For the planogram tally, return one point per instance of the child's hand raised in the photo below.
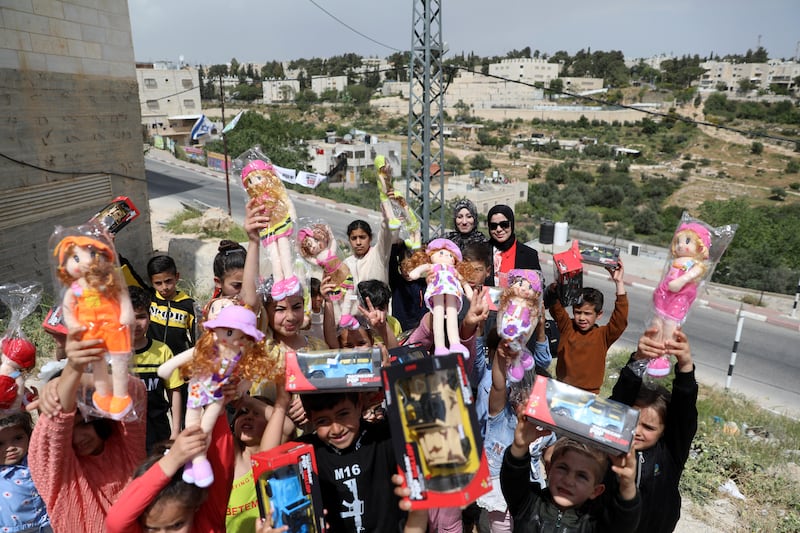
(525, 433)
(255, 219)
(624, 466)
(679, 347)
(82, 352)
(190, 443)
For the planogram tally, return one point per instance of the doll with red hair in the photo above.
(96, 299)
(441, 264)
(228, 352)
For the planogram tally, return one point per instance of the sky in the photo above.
(257, 31)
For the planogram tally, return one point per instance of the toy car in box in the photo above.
(287, 487)
(435, 432)
(599, 254)
(569, 275)
(332, 370)
(582, 415)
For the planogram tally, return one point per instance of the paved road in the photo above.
(768, 364)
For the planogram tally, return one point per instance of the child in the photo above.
(159, 500)
(315, 328)
(228, 269)
(162, 396)
(575, 478)
(172, 319)
(583, 345)
(81, 467)
(667, 425)
(375, 295)
(21, 507)
(356, 463)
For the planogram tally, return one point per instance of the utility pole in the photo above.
(425, 152)
(225, 144)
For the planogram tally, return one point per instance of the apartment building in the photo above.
(280, 91)
(720, 73)
(529, 70)
(320, 84)
(169, 99)
(361, 150)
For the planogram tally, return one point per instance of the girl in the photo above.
(439, 263)
(369, 262)
(228, 269)
(21, 507)
(667, 425)
(465, 220)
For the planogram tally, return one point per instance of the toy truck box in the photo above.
(435, 432)
(287, 487)
(333, 370)
(599, 254)
(569, 274)
(582, 415)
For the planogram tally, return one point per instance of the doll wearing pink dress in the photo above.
(518, 315)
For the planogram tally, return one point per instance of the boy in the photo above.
(149, 354)
(583, 345)
(575, 478)
(172, 312)
(379, 295)
(356, 463)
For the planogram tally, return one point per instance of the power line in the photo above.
(346, 25)
(68, 172)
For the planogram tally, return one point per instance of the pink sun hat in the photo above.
(236, 317)
(532, 276)
(700, 230)
(447, 244)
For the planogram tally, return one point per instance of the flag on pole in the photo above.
(202, 127)
(232, 123)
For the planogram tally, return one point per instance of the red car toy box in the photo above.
(569, 274)
(333, 370)
(435, 432)
(582, 415)
(287, 487)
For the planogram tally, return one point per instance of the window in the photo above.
(187, 83)
(360, 154)
(152, 104)
(521, 194)
(189, 104)
(150, 83)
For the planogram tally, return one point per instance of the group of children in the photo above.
(96, 475)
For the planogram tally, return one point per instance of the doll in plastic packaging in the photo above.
(317, 245)
(695, 250)
(395, 208)
(229, 351)
(262, 182)
(96, 298)
(518, 314)
(17, 354)
(441, 263)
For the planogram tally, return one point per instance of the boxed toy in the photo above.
(287, 487)
(582, 415)
(435, 432)
(599, 254)
(569, 274)
(332, 370)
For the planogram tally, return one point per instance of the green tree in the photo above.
(535, 172)
(556, 87)
(454, 164)
(745, 85)
(756, 148)
(479, 162)
(234, 70)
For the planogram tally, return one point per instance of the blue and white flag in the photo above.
(232, 123)
(203, 126)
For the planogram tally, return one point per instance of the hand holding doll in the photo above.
(395, 208)
(96, 298)
(518, 314)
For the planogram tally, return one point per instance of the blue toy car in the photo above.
(287, 502)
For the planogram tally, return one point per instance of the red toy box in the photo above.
(570, 411)
(435, 432)
(333, 370)
(569, 274)
(287, 487)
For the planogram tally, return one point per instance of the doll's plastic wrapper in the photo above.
(94, 296)
(435, 432)
(695, 251)
(519, 312)
(287, 487)
(18, 352)
(262, 182)
(584, 416)
(399, 215)
(318, 247)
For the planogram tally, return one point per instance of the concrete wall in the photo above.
(70, 110)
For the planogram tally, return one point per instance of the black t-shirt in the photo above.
(356, 482)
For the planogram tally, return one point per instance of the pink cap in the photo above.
(699, 230)
(531, 276)
(254, 165)
(447, 244)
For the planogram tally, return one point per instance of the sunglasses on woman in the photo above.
(505, 224)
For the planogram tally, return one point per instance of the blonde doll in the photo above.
(261, 181)
(229, 351)
(678, 289)
(317, 245)
(96, 298)
(393, 205)
(440, 263)
(518, 313)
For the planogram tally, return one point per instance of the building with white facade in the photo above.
(720, 73)
(529, 70)
(280, 91)
(320, 84)
(360, 151)
(169, 98)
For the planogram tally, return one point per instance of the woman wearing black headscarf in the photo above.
(465, 219)
(507, 252)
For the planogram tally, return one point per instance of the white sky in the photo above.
(256, 31)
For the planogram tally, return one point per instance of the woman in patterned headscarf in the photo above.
(465, 217)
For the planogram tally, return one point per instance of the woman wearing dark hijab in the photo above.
(465, 218)
(507, 252)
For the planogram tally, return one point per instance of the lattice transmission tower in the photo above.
(425, 153)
